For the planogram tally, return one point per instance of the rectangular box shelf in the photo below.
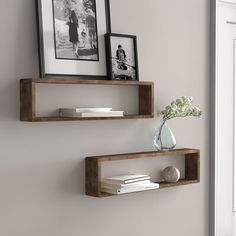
(93, 168)
(28, 99)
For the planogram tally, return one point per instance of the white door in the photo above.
(225, 184)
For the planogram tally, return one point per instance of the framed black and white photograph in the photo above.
(71, 37)
(122, 57)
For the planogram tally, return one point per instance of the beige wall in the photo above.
(42, 164)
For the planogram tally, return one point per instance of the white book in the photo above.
(85, 109)
(93, 114)
(141, 187)
(125, 179)
(119, 186)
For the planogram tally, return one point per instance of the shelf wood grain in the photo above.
(163, 185)
(28, 99)
(58, 118)
(93, 168)
(83, 81)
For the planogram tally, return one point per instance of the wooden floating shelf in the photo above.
(93, 168)
(58, 118)
(28, 99)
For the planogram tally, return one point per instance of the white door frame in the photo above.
(215, 139)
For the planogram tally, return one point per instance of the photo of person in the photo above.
(122, 56)
(75, 30)
(91, 28)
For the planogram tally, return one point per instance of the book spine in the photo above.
(94, 110)
(109, 185)
(137, 180)
(111, 181)
(137, 189)
(131, 190)
(63, 114)
(92, 114)
(102, 114)
(75, 110)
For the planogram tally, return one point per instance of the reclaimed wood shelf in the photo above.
(93, 168)
(28, 99)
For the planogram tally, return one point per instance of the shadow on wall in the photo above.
(55, 179)
(73, 177)
(19, 54)
(10, 101)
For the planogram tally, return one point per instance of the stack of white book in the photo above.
(127, 184)
(89, 112)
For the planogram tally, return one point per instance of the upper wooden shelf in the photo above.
(93, 168)
(83, 81)
(28, 98)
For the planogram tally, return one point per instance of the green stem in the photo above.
(159, 134)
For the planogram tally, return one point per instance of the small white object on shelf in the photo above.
(136, 188)
(127, 184)
(118, 186)
(92, 114)
(125, 179)
(84, 109)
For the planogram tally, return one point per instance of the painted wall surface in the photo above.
(42, 164)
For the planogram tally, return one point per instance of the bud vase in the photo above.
(164, 139)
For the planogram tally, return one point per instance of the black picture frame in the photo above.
(111, 57)
(41, 53)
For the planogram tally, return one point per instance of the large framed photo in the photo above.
(71, 37)
(122, 57)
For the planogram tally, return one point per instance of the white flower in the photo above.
(181, 107)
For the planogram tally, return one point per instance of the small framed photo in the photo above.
(71, 41)
(122, 57)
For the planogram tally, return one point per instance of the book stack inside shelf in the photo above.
(89, 112)
(127, 184)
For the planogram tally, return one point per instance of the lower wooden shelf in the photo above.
(93, 168)
(179, 183)
(162, 185)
